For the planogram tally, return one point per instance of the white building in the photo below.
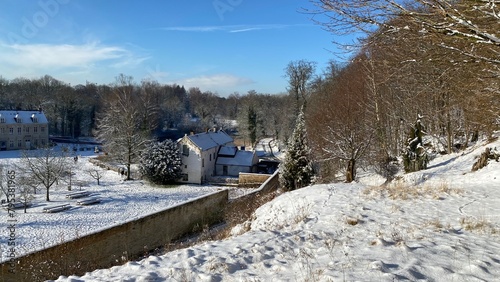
(213, 153)
(199, 154)
(23, 130)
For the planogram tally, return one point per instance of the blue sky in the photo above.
(223, 46)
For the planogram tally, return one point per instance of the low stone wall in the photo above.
(269, 186)
(252, 179)
(116, 245)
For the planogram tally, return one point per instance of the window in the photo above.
(19, 143)
(202, 162)
(185, 177)
(35, 129)
(11, 144)
(19, 130)
(185, 166)
(34, 118)
(42, 128)
(3, 130)
(185, 150)
(27, 130)
(11, 130)
(210, 157)
(2, 119)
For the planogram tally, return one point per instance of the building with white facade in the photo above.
(23, 130)
(212, 153)
(199, 154)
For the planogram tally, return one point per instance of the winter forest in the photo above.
(434, 63)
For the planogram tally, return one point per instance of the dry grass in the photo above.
(403, 191)
(480, 225)
(437, 225)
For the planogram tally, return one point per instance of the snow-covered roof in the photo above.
(22, 117)
(228, 151)
(210, 139)
(242, 158)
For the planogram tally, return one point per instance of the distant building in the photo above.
(23, 130)
(212, 153)
(231, 161)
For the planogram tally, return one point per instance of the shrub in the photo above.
(161, 163)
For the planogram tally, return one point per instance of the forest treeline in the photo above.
(74, 111)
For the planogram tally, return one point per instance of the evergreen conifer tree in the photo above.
(161, 163)
(296, 170)
(415, 156)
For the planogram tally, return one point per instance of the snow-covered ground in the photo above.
(441, 224)
(121, 201)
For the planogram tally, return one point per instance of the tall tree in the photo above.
(296, 170)
(341, 130)
(299, 74)
(126, 122)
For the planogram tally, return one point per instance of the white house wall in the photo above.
(199, 166)
(190, 164)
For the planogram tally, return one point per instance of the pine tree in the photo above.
(415, 157)
(161, 163)
(296, 170)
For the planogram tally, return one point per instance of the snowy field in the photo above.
(440, 224)
(121, 201)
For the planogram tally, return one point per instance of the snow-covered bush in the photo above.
(161, 163)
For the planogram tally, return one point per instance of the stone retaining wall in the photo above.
(252, 179)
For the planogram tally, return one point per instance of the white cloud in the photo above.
(69, 61)
(230, 28)
(50, 56)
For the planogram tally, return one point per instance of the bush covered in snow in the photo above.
(161, 163)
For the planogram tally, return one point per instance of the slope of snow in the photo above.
(441, 224)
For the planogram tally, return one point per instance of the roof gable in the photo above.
(228, 151)
(210, 139)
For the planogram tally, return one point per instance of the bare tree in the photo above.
(126, 122)
(45, 166)
(96, 173)
(25, 195)
(341, 131)
(299, 74)
(475, 22)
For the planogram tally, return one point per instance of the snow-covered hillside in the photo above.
(441, 224)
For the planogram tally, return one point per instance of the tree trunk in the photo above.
(351, 171)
